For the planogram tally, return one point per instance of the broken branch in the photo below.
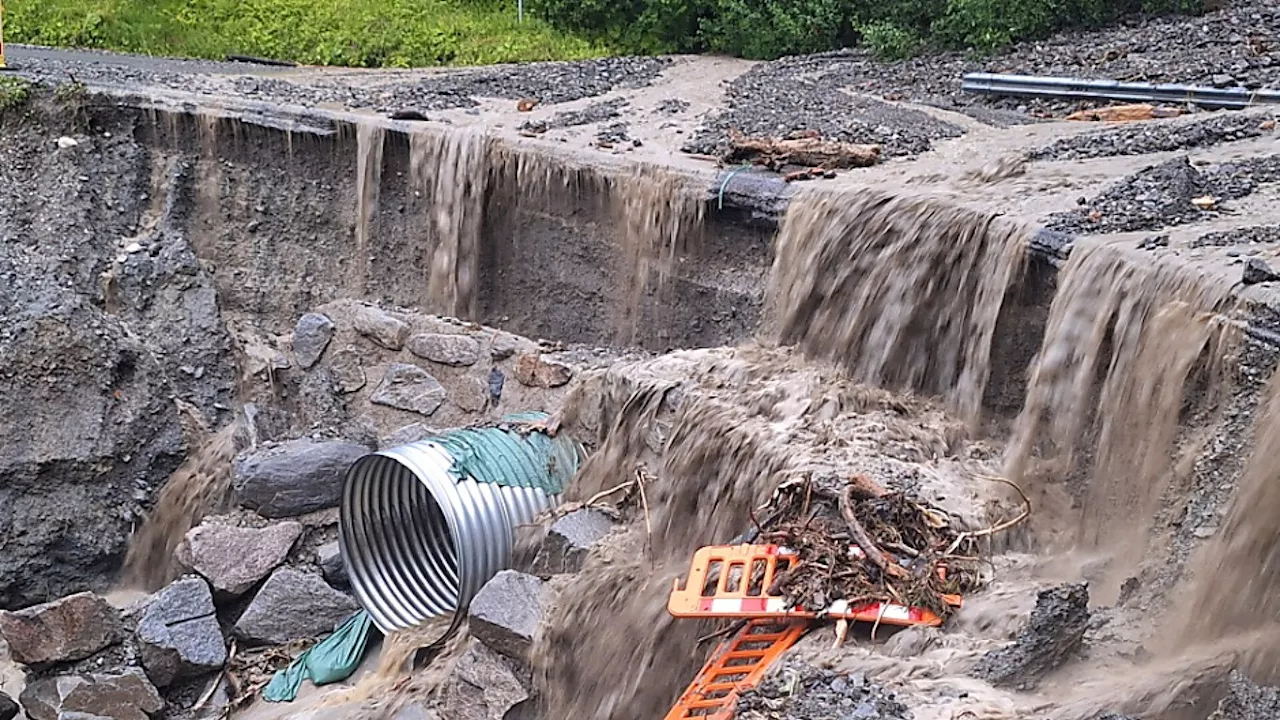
(863, 540)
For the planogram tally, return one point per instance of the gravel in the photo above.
(796, 692)
(593, 113)
(1253, 235)
(550, 83)
(810, 93)
(1160, 196)
(1151, 137)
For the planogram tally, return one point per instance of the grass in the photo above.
(358, 33)
(14, 91)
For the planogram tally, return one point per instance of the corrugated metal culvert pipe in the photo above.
(425, 525)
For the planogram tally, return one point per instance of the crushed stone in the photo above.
(793, 691)
(1054, 633)
(1147, 137)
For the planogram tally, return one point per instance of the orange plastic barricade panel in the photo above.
(738, 664)
(732, 581)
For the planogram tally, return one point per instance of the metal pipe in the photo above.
(423, 526)
(1236, 98)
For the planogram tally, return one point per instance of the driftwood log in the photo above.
(805, 151)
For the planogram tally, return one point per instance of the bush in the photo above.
(766, 29)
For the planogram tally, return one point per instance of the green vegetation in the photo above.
(14, 91)
(361, 33)
(402, 33)
(766, 29)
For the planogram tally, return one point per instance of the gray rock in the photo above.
(348, 371)
(471, 394)
(1247, 701)
(234, 559)
(310, 337)
(335, 571)
(483, 686)
(409, 387)
(410, 433)
(72, 628)
(504, 346)
(457, 350)
(535, 370)
(505, 614)
(178, 634)
(8, 707)
(1054, 633)
(293, 605)
(1256, 271)
(381, 328)
(125, 696)
(568, 541)
(294, 478)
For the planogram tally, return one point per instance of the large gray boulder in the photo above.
(178, 634)
(569, 539)
(378, 326)
(293, 605)
(505, 614)
(310, 337)
(483, 686)
(456, 350)
(234, 559)
(72, 628)
(296, 477)
(409, 387)
(8, 707)
(125, 696)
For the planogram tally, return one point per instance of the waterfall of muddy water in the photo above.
(718, 430)
(904, 292)
(369, 145)
(200, 485)
(1123, 336)
(450, 171)
(662, 221)
(1236, 591)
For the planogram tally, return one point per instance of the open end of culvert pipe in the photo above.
(423, 526)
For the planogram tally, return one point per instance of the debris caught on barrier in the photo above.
(809, 152)
(1125, 113)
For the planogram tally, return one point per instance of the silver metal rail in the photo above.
(1236, 98)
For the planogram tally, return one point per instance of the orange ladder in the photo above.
(738, 664)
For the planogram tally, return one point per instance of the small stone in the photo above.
(1257, 271)
(234, 559)
(65, 142)
(1223, 80)
(505, 614)
(125, 696)
(496, 382)
(331, 564)
(456, 350)
(8, 707)
(409, 387)
(310, 337)
(348, 370)
(294, 478)
(471, 394)
(381, 328)
(482, 686)
(1205, 531)
(72, 628)
(533, 370)
(179, 636)
(293, 605)
(415, 711)
(569, 539)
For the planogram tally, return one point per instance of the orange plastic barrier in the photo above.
(737, 665)
(732, 581)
